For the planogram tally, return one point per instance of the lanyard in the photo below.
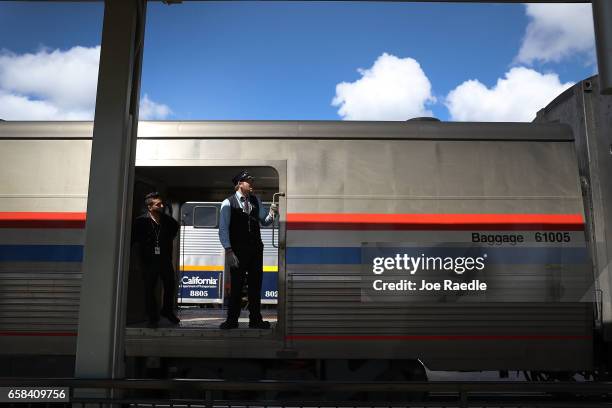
(156, 232)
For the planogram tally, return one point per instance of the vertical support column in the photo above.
(100, 342)
(602, 18)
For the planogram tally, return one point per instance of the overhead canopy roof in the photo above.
(407, 1)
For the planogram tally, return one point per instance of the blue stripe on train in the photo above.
(324, 255)
(41, 253)
(331, 255)
(518, 255)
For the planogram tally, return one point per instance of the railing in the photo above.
(268, 393)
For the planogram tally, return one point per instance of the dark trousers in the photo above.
(152, 273)
(250, 262)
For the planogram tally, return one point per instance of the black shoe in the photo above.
(228, 325)
(261, 324)
(152, 324)
(171, 317)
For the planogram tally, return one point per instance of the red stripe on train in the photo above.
(445, 222)
(42, 219)
(338, 221)
(437, 337)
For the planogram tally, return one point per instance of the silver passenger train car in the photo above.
(374, 216)
(203, 278)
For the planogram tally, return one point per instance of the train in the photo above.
(401, 247)
(203, 278)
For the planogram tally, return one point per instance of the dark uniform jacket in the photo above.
(244, 228)
(145, 234)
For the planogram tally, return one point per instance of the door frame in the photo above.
(280, 166)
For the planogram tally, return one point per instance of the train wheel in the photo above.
(298, 370)
(401, 371)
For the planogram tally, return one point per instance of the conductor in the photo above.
(239, 233)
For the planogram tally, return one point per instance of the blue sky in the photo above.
(303, 61)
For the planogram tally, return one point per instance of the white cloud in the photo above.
(152, 110)
(392, 89)
(17, 107)
(49, 85)
(557, 31)
(55, 85)
(515, 98)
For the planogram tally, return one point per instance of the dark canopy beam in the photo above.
(100, 338)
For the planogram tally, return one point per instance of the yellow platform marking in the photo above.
(201, 268)
(219, 268)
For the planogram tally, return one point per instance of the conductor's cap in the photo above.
(243, 175)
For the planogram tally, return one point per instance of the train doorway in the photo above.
(193, 196)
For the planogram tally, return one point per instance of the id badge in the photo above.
(157, 251)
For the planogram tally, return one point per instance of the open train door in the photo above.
(202, 276)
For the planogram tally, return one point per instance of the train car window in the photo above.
(205, 217)
(267, 207)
